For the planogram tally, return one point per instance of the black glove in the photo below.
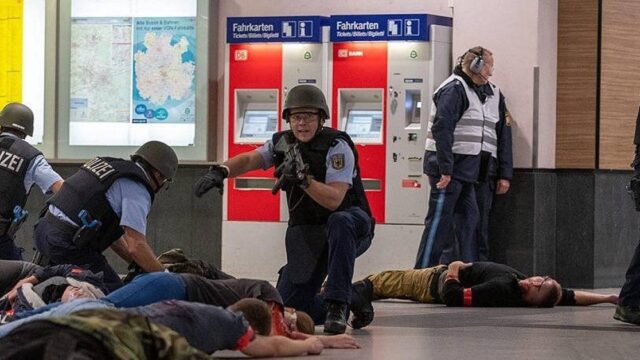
(634, 190)
(214, 178)
(291, 176)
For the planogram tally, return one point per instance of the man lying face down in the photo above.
(479, 284)
(164, 330)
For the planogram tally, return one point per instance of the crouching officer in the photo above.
(105, 204)
(21, 166)
(330, 222)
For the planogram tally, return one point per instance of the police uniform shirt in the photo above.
(39, 172)
(344, 174)
(129, 199)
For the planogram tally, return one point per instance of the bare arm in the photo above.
(55, 187)
(133, 246)
(329, 195)
(585, 298)
(243, 163)
(342, 341)
(279, 346)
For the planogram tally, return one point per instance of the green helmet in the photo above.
(160, 156)
(17, 116)
(305, 96)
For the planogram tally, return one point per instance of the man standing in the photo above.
(105, 204)
(330, 222)
(628, 309)
(21, 166)
(462, 142)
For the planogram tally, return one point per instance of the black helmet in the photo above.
(17, 116)
(305, 96)
(160, 156)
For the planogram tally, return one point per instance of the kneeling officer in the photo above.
(105, 204)
(330, 222)
(21, 166)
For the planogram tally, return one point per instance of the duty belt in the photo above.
(59, 224)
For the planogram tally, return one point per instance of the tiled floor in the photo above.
(404, 330)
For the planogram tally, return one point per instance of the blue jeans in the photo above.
(149, 288)
(348, 236)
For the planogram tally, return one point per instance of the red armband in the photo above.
(466, 297)
(245, 339)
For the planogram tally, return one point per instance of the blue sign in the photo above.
(384, 27)
(275, 29)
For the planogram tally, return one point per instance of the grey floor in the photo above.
(404, 330)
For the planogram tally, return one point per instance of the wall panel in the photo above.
(620, 79)
(576, 91)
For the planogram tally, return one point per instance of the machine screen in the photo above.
(364, 124)
(259, 124)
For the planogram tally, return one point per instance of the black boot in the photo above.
(361, 297)
(336, 322)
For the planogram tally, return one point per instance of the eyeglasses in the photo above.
(303, 117)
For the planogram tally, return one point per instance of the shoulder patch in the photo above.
(337, 161)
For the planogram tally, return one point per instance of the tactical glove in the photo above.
(214, 178)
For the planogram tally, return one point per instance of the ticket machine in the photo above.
(384, 71)
(267, 56)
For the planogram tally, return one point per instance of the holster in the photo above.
(10, 227)
(85, 237)
(634, 190)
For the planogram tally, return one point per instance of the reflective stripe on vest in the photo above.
(476, 129)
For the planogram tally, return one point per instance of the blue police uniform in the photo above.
(630, 292)
(38, 172)
(462, 143)
(126, 201)
(319, 242)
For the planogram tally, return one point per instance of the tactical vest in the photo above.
(15, 157)
(87, 188)
(129, 336)
(302, 208)
(476, 129)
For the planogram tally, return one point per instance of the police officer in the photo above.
(462, 143)
(330, 222)
(628, 309)
(105, 204)
(21, 166)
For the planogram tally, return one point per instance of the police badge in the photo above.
(337, 161)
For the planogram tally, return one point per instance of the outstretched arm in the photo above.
(342, 341)
(280, 346)
(585, 298)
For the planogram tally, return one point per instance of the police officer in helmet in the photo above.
(105, 204)
(21, 166)
(330, 222)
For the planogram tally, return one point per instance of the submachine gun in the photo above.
(292, 170)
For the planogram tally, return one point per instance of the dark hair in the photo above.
(257, 314)
(305, 323)
(551, 297)
(53, 293)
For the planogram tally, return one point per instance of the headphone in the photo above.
(477, 63)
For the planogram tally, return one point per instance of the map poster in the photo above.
(164, 59)
(100, 80)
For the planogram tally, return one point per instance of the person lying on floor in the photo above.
(479, 284)
(164, 330)
(206, 327)
(43, 285)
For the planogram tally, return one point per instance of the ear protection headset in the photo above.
(477, 63)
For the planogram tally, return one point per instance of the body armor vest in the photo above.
(15, 157)
(87, 188)
(302, 208)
